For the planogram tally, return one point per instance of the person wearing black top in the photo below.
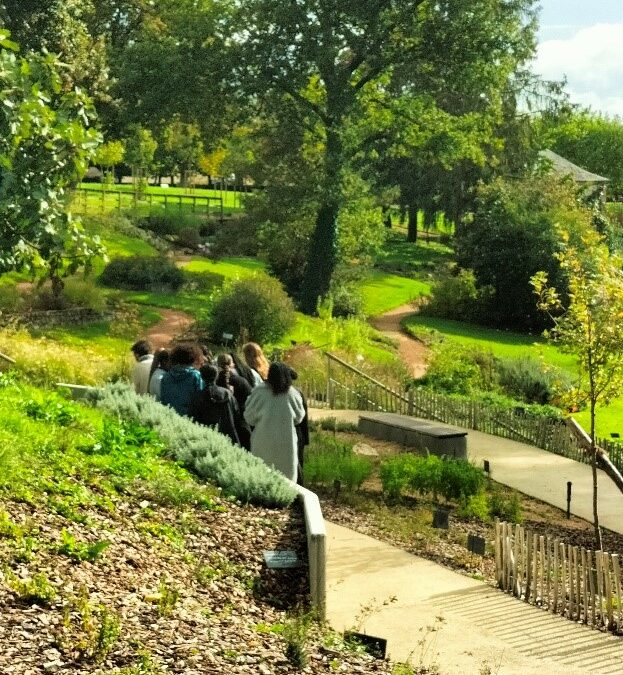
(241, 389)
(302, 432)
(215, 406)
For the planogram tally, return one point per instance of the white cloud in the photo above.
(592, 60)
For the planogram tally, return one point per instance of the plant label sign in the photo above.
(440, 519)
(281, 560)
(375, 646)
(475, 544)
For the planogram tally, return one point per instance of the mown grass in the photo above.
(504, 344)
(383, 291)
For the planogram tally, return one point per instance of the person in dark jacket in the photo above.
(241, 389)
(182, 381)
(302, 433)
(215, 406)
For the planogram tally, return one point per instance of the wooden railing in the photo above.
(346, 387)
(86, 198)
(581, 584)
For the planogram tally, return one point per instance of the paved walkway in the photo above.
(534, 472)
(436, 617)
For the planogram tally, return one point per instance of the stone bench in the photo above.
(439, 439)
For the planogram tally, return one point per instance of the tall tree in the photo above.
(62, 28)
(592, 141)
(175, 66)
(589, 324)
(324, 57)
(45, 147)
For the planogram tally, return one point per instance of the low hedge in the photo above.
(141, 273)
(201, 449)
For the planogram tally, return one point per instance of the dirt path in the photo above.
(172, 324)
(412, 351)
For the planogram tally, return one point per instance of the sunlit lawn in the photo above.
(383, 291)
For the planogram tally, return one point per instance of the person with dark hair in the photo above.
(183, 380)
(228, 377)
(215, 406)
(273, 409)
(302, 433)
(160, 365)
(142, 351)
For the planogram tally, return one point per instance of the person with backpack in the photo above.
(215, 406)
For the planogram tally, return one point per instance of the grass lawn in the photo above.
(403, 257)
(91, 199)
(505, 344)
(383, 291)
(193, 301)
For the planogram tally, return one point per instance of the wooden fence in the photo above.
(103, 200)
(346, 387)
(572, 581)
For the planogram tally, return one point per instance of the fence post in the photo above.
(410, 402)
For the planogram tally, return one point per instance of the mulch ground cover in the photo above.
(177, 590)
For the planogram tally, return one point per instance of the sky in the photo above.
(583, 40)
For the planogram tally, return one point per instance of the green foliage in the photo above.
(35, 590)
(91, 630)
(142, 273)
(477, 507)
(51, 409)
(168, 597)
(45, 147)
(514, 235)
(254, 308)
(529, 380)
(295, 634)
(201, 449)
(504, 506)
(457, 296)
(328, 460)
(81, 551)
(455, 480)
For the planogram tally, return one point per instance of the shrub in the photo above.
(139, 273)
(396, 473)
(164, 223)
(455, 480)
(504, 506)
(512, 236)
(455, 369)
(189, 237)
(201, 449)
(526, 379)
(476, 506)
(84, 293)
(237, 237)
(255, 308)
(455, 296)
(328, 460)
(346, 300)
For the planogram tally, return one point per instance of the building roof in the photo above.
(564, 167)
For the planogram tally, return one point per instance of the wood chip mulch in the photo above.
(188, 588)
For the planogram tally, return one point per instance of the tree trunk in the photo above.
(598, 542)
(412, 213)
(322, 255)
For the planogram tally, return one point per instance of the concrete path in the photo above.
(433, 616)
(534, 472)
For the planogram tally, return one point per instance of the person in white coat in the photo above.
(273, 409)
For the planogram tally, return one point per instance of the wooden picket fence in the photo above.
(344, 386)
(572, 581)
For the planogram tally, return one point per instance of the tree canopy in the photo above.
(45, 146)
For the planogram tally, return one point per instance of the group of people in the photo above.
(248, 399)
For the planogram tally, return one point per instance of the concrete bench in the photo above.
(439, 439)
